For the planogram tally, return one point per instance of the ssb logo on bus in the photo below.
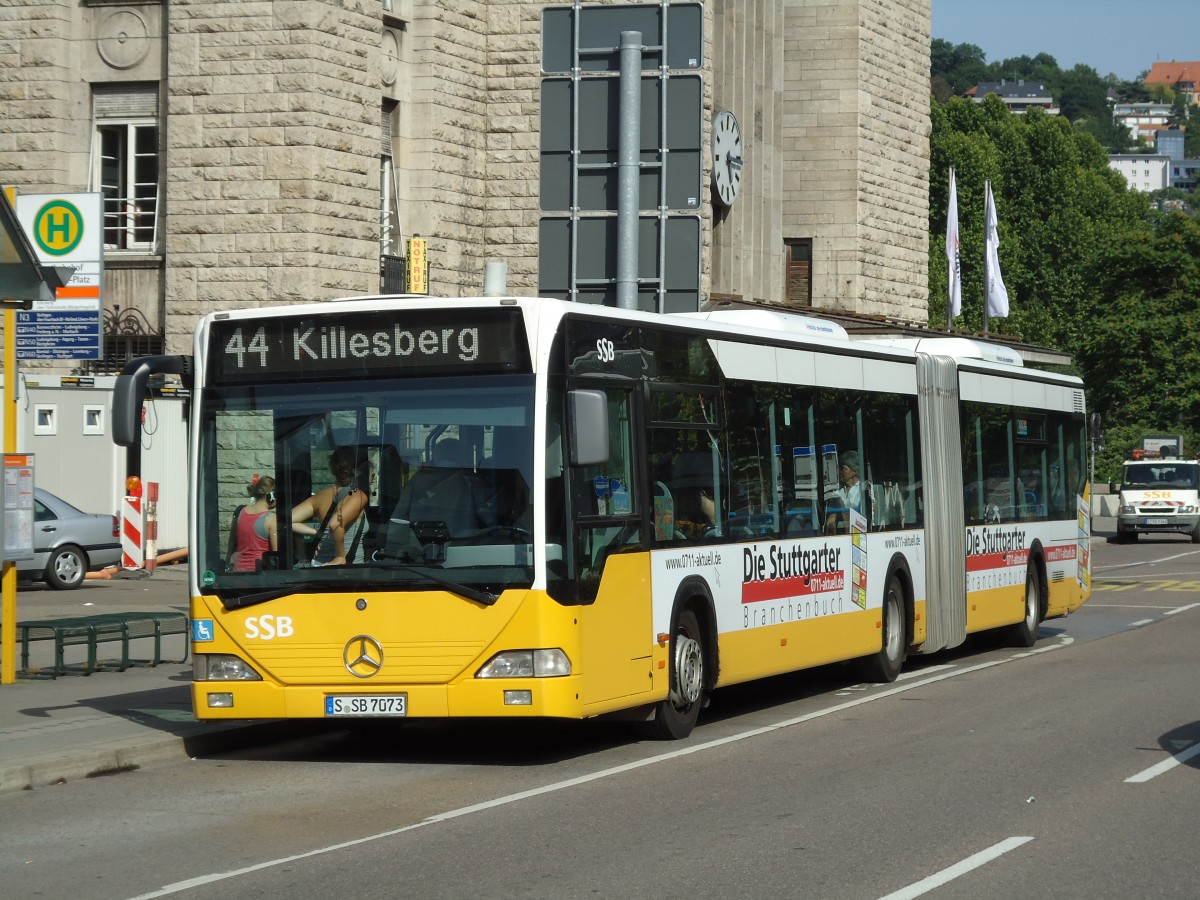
(268, 627)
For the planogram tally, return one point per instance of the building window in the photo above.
(391, 259)
(45, 419)
(798, 278)
(93, 419)
(126, 169)
(389, 206)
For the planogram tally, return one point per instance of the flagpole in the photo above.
(949, 261)
(953, 266)
(986, 273)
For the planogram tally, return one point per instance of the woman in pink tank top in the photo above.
(255, 528)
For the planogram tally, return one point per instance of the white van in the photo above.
(1159, 495)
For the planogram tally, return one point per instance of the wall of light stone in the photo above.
(271, 142)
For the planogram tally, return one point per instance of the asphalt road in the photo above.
(1065, 771)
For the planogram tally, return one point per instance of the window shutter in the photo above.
(125, 101)
(387, 116)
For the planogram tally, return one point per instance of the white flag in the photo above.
(997, 293)
(954, 267)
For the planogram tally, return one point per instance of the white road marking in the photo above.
(1180, 609)
(920, 673)
(1139, 623)
(202, 880)
(1092, 605)
(958, 869)
(1145, 562)
(1165, 766)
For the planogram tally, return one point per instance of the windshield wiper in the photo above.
(296, 587)
(487, 598)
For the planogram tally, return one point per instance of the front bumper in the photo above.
(1155, 523)
(476, 697)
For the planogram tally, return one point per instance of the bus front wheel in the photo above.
(675, 717)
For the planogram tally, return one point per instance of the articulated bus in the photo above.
(575, 511)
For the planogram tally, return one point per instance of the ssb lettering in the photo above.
(268, 626)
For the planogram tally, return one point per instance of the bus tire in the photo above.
(884, 667)
(1196, 533)
(675, 717)
(1025, 632)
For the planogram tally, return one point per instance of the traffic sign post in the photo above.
(22, 281)
(66, 230)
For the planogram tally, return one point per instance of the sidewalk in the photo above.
(76, 726)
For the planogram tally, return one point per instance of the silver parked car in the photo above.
(68, 543)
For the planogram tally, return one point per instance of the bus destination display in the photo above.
(374, 343)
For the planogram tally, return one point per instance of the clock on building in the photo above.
(726, 157)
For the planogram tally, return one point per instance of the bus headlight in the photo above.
(1125, 509)
(526, 664)
(222, 667)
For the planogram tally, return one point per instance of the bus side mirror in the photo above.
(130, 391)
(588, 411)
(127, 405)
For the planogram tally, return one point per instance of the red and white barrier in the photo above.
(151, 525)
(132, 528)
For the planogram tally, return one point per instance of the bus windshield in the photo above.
(444, 465)
(1161, 475)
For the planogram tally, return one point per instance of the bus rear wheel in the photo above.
(675, 717)
(885, 666)
(1025, 632)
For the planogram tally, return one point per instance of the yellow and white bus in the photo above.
(574, 510)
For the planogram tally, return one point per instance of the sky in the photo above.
(1108, 35)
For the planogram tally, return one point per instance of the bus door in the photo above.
(607, 512)
(603, 497)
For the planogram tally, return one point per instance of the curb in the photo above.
(98, 761)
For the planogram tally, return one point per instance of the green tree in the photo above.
(1055, 198)
(1179, 112)
(1191, 133)
(1082, 94)
(1092, 267)
(962, 66)
(1160, 93)
(1112, 136)
(1141, 357)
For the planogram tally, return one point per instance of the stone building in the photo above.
(259, 152)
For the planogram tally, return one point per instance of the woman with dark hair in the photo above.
(341, 510)
(254, 526)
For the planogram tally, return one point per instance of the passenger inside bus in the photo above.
(691, 489)
(341, 510)
(253, 532)
(849, 494)
(1005, 497)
